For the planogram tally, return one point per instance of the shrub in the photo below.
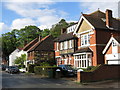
(90, 68)
(30, 68)
(45, 64)
(45, 70)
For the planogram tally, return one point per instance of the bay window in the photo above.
(82, 60)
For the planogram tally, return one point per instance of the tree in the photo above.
(27, 34)
(8, 43)
(20, 60)
(56, 29)
(45, 32)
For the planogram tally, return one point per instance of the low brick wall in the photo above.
(103, 72)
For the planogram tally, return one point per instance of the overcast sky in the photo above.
(17, 14)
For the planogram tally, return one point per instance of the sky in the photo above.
(16, 14)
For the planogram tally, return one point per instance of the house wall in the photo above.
(101, 43)
(57, 53)
(84, 26)
(92, 46)
(98, 41)
(109, 51)
(118, 49)
(102, 38)
(111, 54)
(31, 55)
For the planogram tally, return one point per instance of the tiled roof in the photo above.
(46, 44)
(117, 38)
(29, 45)
(85, 49)
(65, 36)
(96, 19)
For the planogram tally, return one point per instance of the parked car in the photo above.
(12, 69)
(3, 67)
(68, 70)
(22, 70)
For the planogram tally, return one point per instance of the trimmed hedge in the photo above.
(30, 68)
(91, 68)
(45, 70)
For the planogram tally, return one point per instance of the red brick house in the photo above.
(90, 37)
(112, 51)
(65, 46)
(42, 51)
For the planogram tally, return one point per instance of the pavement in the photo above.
(23, 80)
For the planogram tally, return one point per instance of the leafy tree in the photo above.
(27, 34)
(20, 60)
(45, 32)
(8, 43)
(56, 29)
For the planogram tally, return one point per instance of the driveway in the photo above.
(33, 81)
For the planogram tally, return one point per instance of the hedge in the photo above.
(45, 70)
(30, 68)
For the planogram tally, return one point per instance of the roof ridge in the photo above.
(30, 43)
(95, 12)
(35, 45)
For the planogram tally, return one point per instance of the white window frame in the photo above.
(70, 44)
(82, 62)
(61, 45)
(85, 40)
(65, 45)
(57, 46)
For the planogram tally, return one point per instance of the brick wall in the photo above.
(104, 72)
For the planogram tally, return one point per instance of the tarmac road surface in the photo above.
(33, 81)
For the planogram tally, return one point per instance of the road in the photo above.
(33, 81)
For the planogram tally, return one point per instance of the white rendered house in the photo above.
(16, 53)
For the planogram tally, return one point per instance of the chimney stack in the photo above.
(63, 30)
(40, 37)
(108, 18)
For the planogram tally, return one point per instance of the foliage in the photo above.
(27, 34)
(30, 68)
(45, 64)
(20, 60)
(56, 29)
(45, 70)
(45, 32)
(18, 38)
(91, 68)
(9, 43)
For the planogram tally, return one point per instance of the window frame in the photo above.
(85, 40)
(82, 60)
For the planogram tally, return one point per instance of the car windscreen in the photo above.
(68, 67)
(13, 67)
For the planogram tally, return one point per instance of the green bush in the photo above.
(45, 64)
(30, 68)
(45, 70)
(90, 68)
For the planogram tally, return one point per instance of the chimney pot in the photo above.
(40, 37)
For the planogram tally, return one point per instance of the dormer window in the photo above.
(85, 40)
